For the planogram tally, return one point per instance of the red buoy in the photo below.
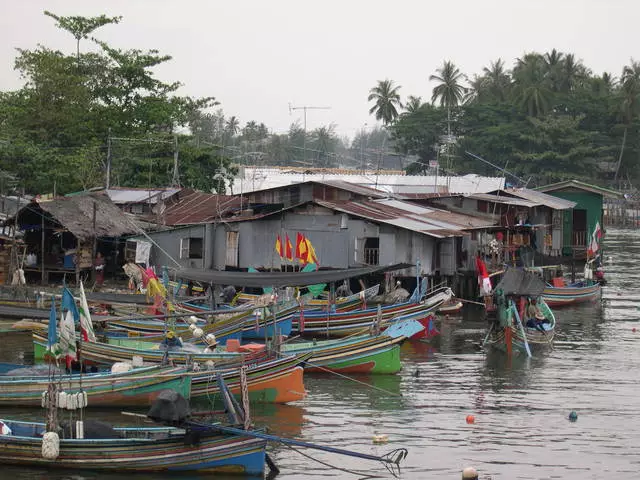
(471, 419)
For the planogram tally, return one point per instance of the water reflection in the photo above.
(520, 405)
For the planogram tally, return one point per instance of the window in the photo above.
(137, 209)
(191, 247)
(367, 250)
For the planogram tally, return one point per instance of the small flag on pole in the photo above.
(288, 250)
(279, 247)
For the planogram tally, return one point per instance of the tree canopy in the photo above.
(547, 118)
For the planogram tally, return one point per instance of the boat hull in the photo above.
(570, 295)
(214, 453)
(103, 390)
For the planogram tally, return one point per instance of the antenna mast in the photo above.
(305, 108)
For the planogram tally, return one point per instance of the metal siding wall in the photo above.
(333, 245)
(169, 241)
(257, 243)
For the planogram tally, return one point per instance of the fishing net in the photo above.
(521, 283)
(92, 429)
(169, 408)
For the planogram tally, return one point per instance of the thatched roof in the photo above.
(75, 213)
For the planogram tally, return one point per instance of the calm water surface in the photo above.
(521, 407)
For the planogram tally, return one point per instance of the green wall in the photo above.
(591, 202)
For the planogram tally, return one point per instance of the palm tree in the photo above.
(413, 104)
(630, 90)
(325, 141)
(387, 101)
(449, 91)
(573, 73)
(477, 90)
(532, 86)
(497, 80)
(232, 126)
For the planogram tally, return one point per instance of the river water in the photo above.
(521, 408)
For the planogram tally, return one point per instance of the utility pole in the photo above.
(108, 182)
(176, 175)
(305, 108)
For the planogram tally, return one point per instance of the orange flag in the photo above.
(301, 248)
(279, 247)
(288, 248)
(311, 253)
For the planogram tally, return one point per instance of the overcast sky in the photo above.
(256, 57)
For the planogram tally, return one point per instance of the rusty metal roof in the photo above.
(430, 221)
(197, 207)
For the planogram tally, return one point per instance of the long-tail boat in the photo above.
(559, 295)
(524, 322)
(138, 387)
(149, 449)
(340, 324)
(270, 380)
(376, 354)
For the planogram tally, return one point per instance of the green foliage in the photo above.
(547, 119)
(56, 126)
(386, 100)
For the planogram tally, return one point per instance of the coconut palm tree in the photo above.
(232, 126)
(449, 91)
(532, 86)
(477, 90)
(412, 104)
(387, 101)
(324, 141)
(497, 80)
(573, 73)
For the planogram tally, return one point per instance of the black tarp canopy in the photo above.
(281, 279)
(521, 283)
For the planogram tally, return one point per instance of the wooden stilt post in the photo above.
(42, 250)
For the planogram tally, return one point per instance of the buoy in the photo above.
(573, 416)
(471, 419)
(50, 445)
(469, 473)
(633, 329)
(380, 438)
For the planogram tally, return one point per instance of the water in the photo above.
(521, 408)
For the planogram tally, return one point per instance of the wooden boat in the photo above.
(559, 295)
(256, 323)
(450, 308)
(138, 387)
(277, 380)
(515, 329)
(136, 450)
(377, 354)
(340, 324)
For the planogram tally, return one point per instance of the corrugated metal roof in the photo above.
(139, 195)
(264, 178)
(581, 186)
(197, 207)
(542, 198)
(503, 199)
(352, 187)
(430, 221)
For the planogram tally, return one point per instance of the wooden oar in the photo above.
(394, 457)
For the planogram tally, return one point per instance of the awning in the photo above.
(281, 279)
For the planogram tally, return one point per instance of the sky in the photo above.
(259, 57)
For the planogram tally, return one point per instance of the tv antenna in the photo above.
(305, 108)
